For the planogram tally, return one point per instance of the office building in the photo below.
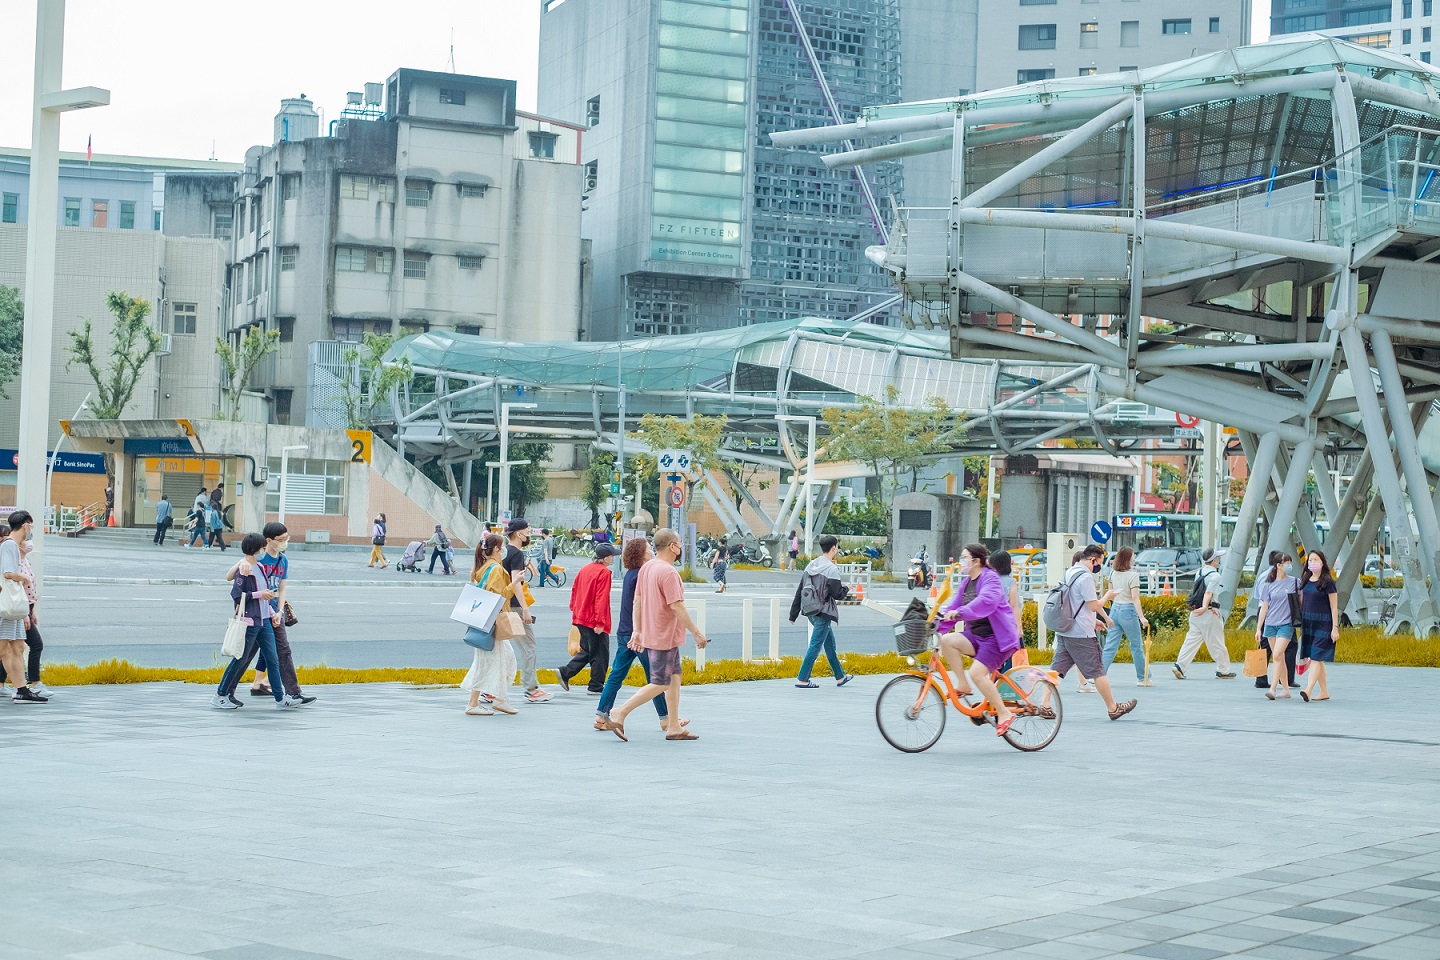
(697, 222)
(446, 208)
(1406, 26)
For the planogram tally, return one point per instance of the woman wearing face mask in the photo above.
(1319, 623)
(989, 634)
(1274, 626)
(12, 632)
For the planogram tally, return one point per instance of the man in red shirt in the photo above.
(660, 624)
(590, 612)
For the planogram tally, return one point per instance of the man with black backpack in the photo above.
(815, 598)
(1207, 624)
(1071, 611)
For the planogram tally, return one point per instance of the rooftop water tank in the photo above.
(297, 120)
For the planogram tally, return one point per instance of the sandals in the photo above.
(808, 685)
(616, 728)
(1004, 725)
(845, 679)
(682, 735)
(1123, 708)
(1304, 696)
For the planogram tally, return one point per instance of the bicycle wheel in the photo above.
(529, 576)
(563, 577)
(910, 714)
(1038, 717)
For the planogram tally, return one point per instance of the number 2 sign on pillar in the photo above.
(361, 442)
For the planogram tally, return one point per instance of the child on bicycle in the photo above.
(989, 636)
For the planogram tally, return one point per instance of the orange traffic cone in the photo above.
(934, 593)
(111, 521)
(1167, 590)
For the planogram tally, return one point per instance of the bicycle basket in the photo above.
(912, 637)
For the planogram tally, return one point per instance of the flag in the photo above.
(88, 151)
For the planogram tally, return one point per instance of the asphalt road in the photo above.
(357, 624)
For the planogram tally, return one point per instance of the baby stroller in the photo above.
(414, 556)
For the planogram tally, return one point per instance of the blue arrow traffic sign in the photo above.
(1101, 532)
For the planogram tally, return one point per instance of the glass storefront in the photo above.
(702, 86)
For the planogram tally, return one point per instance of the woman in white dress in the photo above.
(491, 671)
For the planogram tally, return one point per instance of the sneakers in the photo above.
(1085, 687)
(503, 706)
(594, 693)
(1226, 675)
(236, 700)
(538, 695)
(1123, 708)
(224, 703)
(564, 683)
(304, 699)
(288, 703)
(1143, 683)
(479, 710)
(40, 688)
(1179, 674)
(26, 695)
(486, 698)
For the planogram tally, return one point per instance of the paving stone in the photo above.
(1175, 951)
(1316, 914)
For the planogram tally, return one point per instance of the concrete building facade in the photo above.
(447, 209)
(1406, 26)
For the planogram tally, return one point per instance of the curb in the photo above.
(213, 581)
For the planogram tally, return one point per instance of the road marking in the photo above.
(188, 600)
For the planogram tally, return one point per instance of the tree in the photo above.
(527, 481)
(700, 435)
(744, 473)
(1171, 485)
(597, 484)
(240, 361)
(892, 439)
(12, 335)
(369, 377)
(135, 343)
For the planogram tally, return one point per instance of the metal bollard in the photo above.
(775, 629)
(699, 617)
(1041, 640)
(747, 630)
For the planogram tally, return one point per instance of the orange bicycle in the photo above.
(911, 709)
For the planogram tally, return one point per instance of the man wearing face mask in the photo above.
(1207, 624)
(273, 567)
(518, 532)
(1079, 645)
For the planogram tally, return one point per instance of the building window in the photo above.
(1425, 34)
(288, 255)
(387, 189)
(416, 265)
(408, 328)
(474, 190)
(1214, 24)
(384, 261)
(222, 222)
(1037, 36)
(1359, 18)
(417, 193)
(592, 176)
(592, 112)
(469, 262)
(1303, 24)
(1377, 40)
(1089, 35)
(287, 329)
(1175, 26)
(1129, 33)
(313, 487)
(1407, 8)
(127, 214)
(257, 275)
(99, 213)
(349, 259)
(1028, 76)
(353, 187)
(1425, 57)
(1405, 36)
(155, 219)
(182, 319)
(11, 208)
(1426, 6)
(542, 145)
(349, 331)
(467, 330)
(1087, 71)
(290, 186)
(455, 96)
(72, 211)
(1128, 69)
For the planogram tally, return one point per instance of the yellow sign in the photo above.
(360, 443)
(1230, 430)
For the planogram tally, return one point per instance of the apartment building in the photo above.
(1406, 26)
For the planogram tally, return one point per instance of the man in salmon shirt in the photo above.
(590, 612)
(660, 624)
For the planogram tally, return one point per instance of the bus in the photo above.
(1181, 531)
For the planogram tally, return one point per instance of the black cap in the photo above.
(516, 525)
(604, 551)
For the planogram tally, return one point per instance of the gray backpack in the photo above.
(1058, 611)
(812, 594)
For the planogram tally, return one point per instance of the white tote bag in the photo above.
(234, 643)
(14, 605)
(476, 607)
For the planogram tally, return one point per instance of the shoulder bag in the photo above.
(14, 604)
(233, 646)
(1294, 598)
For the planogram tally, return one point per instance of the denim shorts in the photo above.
(1287, 630)
(664, 664)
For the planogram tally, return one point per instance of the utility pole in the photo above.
(50, 102)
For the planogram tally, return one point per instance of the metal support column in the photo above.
(1260, 466)
(1407, 451)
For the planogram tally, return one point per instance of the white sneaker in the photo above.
(479, 710)
(223, 703)
(1085, 688)
(539, 695)
(288, 703)
(1143, 683)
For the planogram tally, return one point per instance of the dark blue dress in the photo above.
(1316, 625)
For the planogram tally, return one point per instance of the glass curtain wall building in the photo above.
(1405, 26)
(697, 223)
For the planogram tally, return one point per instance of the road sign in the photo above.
(1187, 433)
(675, 461)
(361, 442)
(1140, 521)
(676, 497)
(1185, 420)
(1101, 531)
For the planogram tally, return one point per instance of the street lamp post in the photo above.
(491, 514)
(285, 473)
(809, 478)
(50, 102)
(54, 522)
(505, 463)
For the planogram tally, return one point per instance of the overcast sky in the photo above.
(189, 76)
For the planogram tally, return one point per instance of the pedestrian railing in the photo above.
(856, 576)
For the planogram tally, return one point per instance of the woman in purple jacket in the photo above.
(989, 634)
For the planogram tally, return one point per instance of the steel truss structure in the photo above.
(1275, 205)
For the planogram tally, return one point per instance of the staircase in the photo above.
(127, 536)
(446, 510)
